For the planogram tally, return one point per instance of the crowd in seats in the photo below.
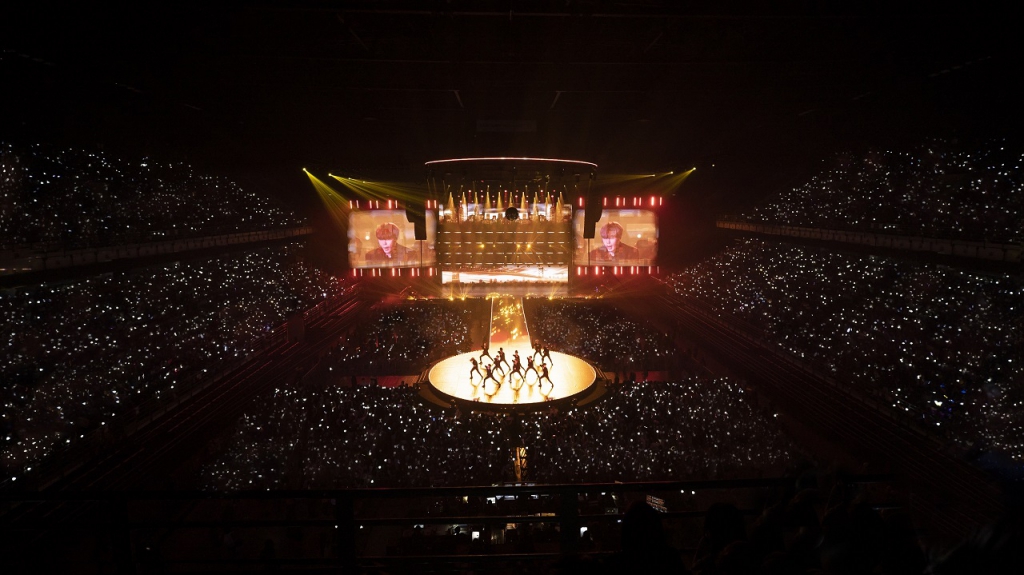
(55, 198)
(601, 333)
(402, 340)
(310, 436)
(941, 189)
(690, 429)
(87, 354)
(941, 346)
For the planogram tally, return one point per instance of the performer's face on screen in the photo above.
(611, 243)
(387, 245)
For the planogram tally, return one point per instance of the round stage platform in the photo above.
(570, 377)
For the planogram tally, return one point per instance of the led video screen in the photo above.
(385, 238)
(621, 238)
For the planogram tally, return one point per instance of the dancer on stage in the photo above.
(536, 350)
(475, 369)
(546, 354)
(490, 375)
(544, 375)
(529, 366)
(501, 358)
(517, 368)
(487, 352)
(497, 362)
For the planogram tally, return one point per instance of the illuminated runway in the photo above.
(569, 375)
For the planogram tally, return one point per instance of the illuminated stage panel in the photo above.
(571, 376)
(511, 274)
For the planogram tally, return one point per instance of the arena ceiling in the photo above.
(370, 87)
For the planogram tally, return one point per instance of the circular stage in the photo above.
(570, 377)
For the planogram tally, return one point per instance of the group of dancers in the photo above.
(516, 367)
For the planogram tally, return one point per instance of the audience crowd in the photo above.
(53, 198)
(80, 355)
(600, 332)
(940, 189)
(940, 345)
(313, 436)
(402, 340)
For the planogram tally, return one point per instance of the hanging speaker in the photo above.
(418, 219)
(592, 212)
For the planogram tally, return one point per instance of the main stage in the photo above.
(454, 379)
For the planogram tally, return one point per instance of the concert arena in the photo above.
(405, 287)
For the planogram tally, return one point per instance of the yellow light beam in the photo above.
(337, 206)
(383, 190)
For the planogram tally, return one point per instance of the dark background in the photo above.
(753, 96)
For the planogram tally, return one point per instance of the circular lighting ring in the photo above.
(502, 158)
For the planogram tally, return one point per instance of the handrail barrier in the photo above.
(984, 250)
(49, 257)
(357, 529)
